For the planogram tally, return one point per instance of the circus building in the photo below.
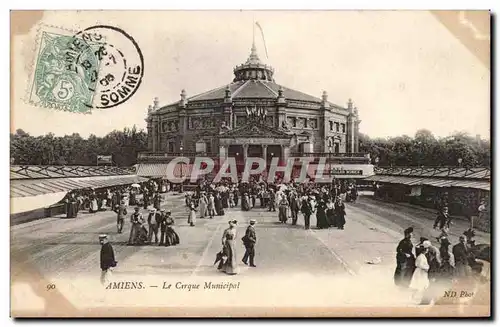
(254, 116)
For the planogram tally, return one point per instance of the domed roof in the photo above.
(253, 79)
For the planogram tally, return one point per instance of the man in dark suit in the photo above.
(443, 219)
(405, 260)
(107, 259)
(249, 241)
(307, 210)
(157, 201)
(294, 207)
(461, 254)
(162, 223)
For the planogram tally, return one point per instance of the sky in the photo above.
(403, 69)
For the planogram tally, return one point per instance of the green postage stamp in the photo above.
(66, 72)
(99, 67)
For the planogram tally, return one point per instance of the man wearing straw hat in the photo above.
(121, 210)
(107, 259)
(153, 222)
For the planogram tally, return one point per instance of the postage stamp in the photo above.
(65, 74)
(97, 68)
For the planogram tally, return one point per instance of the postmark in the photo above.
(99, 67)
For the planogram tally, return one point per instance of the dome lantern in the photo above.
(253, 69)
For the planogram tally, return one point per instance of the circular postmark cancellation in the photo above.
(97, 68)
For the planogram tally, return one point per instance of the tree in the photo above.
(424, 149)
(75, 150)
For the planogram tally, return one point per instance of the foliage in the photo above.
(75, 150)
(422, 150)
(425, 150)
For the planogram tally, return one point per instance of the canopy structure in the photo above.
(32, 172)
(159, 170)
(35, 187)
(476, 178)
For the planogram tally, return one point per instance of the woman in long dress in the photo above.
(245, 202)
(339, 213)
(203, 205)
(225, 199)
(447, 267)
(230, 266)
(192, 214)
(93, 204)
(321, 221)
(211, 206)
(283, 207)
(218, 204)
(330, 213)
(420, 279)
(171, 237)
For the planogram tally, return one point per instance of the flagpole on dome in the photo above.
(253, 32)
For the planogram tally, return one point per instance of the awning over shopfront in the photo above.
(473, 184)
(160, 170)
(28, 203)
(437, 182)
(152, 170)
(35, 187)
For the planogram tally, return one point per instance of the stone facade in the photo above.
(201, 123)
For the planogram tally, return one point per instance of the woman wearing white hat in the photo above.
(420, 279)
(230, 266)
(192, 214)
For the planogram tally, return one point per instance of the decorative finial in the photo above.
(324, 96)
(156, 103)
(228, 99)
(324, 100)
(349, 104)
(183, 98)
(150, 109)
(281, 97)
(254, 57)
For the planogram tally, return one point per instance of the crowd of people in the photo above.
(157, 228)
(428, 269)
(92, 200)
(287, 199)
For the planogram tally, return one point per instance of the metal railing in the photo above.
(331, 155)
(169, 155)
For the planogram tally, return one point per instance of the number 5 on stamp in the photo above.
(65, 73)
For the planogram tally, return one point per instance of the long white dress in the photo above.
(420, 278)
(203, 206)
(192, 215)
